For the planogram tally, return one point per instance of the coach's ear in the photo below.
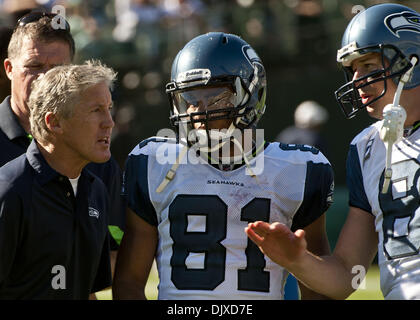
(8, 67)
(53, 123)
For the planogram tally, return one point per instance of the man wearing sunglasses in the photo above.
(380, 55)
(40, 42)
(35, 47)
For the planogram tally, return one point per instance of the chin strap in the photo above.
(393, 125)
(244, 156)
(171, 173)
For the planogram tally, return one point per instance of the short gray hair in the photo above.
(59, 90)
(41, 30)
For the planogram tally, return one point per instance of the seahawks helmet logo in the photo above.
(250, 55)
(403, 21)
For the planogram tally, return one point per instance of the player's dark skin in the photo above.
(140, 241)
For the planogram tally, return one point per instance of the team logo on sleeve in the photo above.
(403, 21)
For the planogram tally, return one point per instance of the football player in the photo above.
(190, 199)
(380, 50)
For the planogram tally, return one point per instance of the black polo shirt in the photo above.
(14, 141)
(45, 230)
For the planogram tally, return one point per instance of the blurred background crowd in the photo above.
(296, 39)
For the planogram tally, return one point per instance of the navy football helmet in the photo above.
(222, 72)
(392, 30)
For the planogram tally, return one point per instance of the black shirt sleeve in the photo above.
(103, 276)
(10, 222)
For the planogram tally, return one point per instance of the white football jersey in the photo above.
(397, 214)
(203, 251)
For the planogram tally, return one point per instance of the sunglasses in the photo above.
(56, 20)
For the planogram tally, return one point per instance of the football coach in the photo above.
(40, 42)
(54, 241)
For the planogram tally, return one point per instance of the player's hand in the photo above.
(278, 242)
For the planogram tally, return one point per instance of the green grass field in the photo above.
(370, 292)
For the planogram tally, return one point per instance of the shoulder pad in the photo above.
(147, 145)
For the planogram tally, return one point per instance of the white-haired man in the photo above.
(54, 213)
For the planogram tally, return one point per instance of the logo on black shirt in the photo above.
(93, 213)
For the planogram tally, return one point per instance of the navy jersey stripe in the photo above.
(145, 142)
(136, 188)
(354, 180)
(319, 188)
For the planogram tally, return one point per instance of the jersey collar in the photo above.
(45, 172)
(230, 167)
(39, 164)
